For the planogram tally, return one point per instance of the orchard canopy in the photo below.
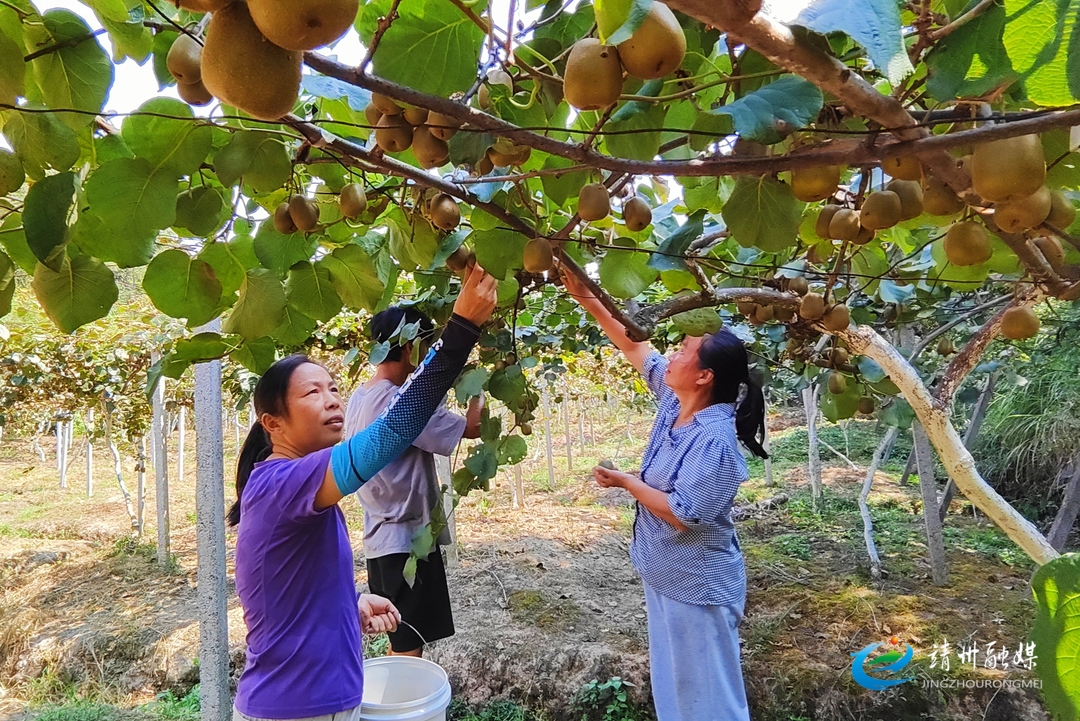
(826, 176)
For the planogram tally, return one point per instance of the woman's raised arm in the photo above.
(635, 351)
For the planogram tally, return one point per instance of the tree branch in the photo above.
(941, 330)
(961, 21)
(70, 42)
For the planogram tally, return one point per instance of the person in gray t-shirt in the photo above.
(403, 496)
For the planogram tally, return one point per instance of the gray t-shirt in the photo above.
(401, 497)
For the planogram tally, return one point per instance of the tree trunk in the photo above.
(60, 465)
(519, 487)
(935, 543)
(180, 432)
(140, 470)
(159, 435)
(810, 404)
(547, 437)
(210, 532)
(566, 429)
(118, 469)
(442, 470)
(909, 468)
(769, 479)
(1066, 515)
(978, 415)
(880, 456)
(90, 453)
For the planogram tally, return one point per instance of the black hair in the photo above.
(385, 324)
(725, 355)
(270, 396)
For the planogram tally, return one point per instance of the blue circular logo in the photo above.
(887, 664)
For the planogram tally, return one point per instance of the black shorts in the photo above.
(426, 605)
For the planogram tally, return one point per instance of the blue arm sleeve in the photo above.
(358, 459)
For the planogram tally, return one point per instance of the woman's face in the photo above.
(683, 371)
(316, 415)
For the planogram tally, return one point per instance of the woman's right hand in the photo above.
(478, 296)
(574, 286)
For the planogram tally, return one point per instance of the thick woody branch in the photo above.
(650, 315)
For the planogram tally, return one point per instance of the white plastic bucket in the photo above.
(403, 688)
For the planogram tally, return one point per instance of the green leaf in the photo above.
(470, 384)
(130, 37)
(295, 328)
(177, 142)
(163, 40)
(499, 251)
(432, 47)
(77, 75)
(561, 187)
(698, 322)
(1039, 38)
(469, 148)
(261, 306)
(82, 291)
(199, 348)
(626, 273)
(763, 213)
(256, 355)
(309, 289)
(131, 199)
(898, 413)
(768, 114)
(12, 70)
(670, 254)
(871, 264)
(483, 462)
(1056, 634)
(98, 238)
(279, 252)
(45, 214)
(182, 287)
(261, 160)
(412, 239)
(355, 277)
(618, 19)
(423, 541)
(228, 269)
(40, 140)
(507, 385)
(971, 61)
(7, 284)
(838, 407)
(202, 210)
(513, 449)
(13, 240)
(636, 145)
(408, 572)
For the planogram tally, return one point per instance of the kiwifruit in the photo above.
(939, 198)
(798, 285)
(385, 105)
(845, 224)
(483, 97)
(1019, 323)
(538, 257)
(429, 150)
(967, 243)
(444, 212)
(201, 6)
(866, 405)
(499, 365)
(194, 93)
(903, 168)
(1071, 293)
(1009, 168)
(352, 200)
(511, 358)
(1018, 215)
(184, 58)
(1062, 211)
(283, 222)
(657, 47)
(526, 429)
(764, 313)
(812, 306)
(813, 184)
(244, 69)
(485, 166)
(838, 356)
(416, 116)
(911, 197)
(606, 463)
(303, 24)
(393, 134)
(12, 175)
(636, 214)
(593, 202)
(304, 212)
(865, 236)
(458, 260)
(746, 309)
(442, 126)
(880, 210)
(1052, 250)
(593, 76)
(945, 346)
(821, 225)
(500, 159)
(837, 383)
(836, 318)
(783, 315)
(372, 114)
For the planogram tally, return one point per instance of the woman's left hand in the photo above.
(377, 614)
(612, 479)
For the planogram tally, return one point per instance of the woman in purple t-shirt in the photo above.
(294, 563)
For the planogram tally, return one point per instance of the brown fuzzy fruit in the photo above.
(945, 347)
(244, 69)
(304, 212)
(746, 309)
(836, 318)
(303, 24)
(764, 313)
(508, 160)
(657, 47)
(1052, 250)
(1062, 211)
(352, 200)
(845, 224)
(538, 257)
(444, 212)
(283, 222)
(593, 76)
(911, 197)
(967, 243)
(813, 184)
(636, 214)
(865, 236)
(939, 199)
(458, 260)
(783, 315)
(821, 225)
(372, 114)
(429, 150)
(880, 210)
(1018, 215)
(798, 285)
(1019, 323)
(416, 116)
(837, 383)
(393, 134)
(194, 93)
(442, 126)
(812, 306)
(593, 202)
(1010, 168)
(866, 405)
(184, 59)
(838, 356)
(385, 105)
(904, 168)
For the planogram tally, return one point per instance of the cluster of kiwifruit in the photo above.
(812, 307)
(398, 128)
(593, 77)
(301, 213)
(595, 204)
(253, 50)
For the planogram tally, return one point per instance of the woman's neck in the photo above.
(690, 403)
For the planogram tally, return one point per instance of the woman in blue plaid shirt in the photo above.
(685, 548)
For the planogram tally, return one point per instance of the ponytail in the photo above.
(750, 419)
(256, 448)
(725, 355)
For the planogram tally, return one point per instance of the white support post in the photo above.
(443, 471)
(810, 403)
(159, 435)
(60, 451)
(519, 487)
(140, 474)
(210, 531)
(90, 453)
(181, 431)
(566, 428)
(547, 437)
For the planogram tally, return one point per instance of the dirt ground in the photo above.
(545, 599)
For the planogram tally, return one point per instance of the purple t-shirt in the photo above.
(294, 576)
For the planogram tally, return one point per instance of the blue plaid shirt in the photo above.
(700, 467)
